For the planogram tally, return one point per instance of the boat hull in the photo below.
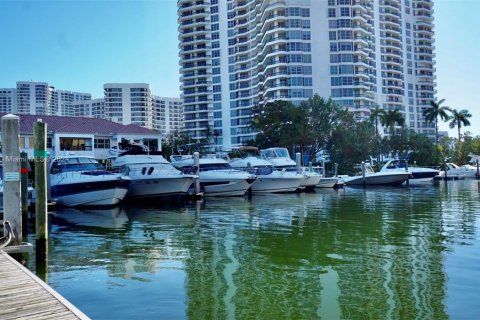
(106, 197)
(92, 193)
(159, 187)
(272, 184)
(311, 181)
(327, 182)
(373, 179)
(226, 188)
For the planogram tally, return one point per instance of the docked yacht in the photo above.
(372, 178)
(217, 177)
(152, 175)
(460, 172)
(325, 182)
(82, 181)
(419, 175)
(268, 179)
(280, 159)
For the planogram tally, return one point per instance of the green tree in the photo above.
(322, 115)
(391, 118)
(422, 150)
(435, 111)
(376, 116)
(173, 141)
(351, 144)
(276, 124)
(459, 119)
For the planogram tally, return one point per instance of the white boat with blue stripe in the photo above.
(83, 181)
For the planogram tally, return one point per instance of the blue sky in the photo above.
(80, 45)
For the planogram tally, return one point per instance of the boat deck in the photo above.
(24, 296)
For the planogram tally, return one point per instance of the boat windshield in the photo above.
(275, 153)
(75, 164)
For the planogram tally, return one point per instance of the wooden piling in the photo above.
(196, 164)
(11, 175)
(478, 172)
(406, 170)
(24, 190)
(363, 174)
(41, 217)
(298, 160)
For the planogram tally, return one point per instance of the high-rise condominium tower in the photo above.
(167, 115)
(8, 100)
(236, 54)
(128, 103)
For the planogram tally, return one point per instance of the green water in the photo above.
(386, 253)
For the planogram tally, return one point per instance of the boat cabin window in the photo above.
(215, 166)
(75, 164)
(264, 170)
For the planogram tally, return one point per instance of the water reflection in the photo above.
(370, 253)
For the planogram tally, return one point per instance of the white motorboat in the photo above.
(419, 175)
(460, 172)
(372, 178)
(280, 159)
(217, 177)
(325, 182)
(268, 180)
(82, 181)
(152, 175)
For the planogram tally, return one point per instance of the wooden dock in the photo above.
(24, 296)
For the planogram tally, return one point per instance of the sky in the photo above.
(80, 45)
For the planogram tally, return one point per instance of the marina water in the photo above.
(376, 253)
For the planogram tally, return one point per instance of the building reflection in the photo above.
(378, 254)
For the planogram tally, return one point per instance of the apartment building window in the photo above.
(344, 12)
(102, 143)
(331, 12)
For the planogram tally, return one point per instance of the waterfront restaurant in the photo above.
(83, 136)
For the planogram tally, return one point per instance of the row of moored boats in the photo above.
(141, 174)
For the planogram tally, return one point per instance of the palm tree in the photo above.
(436, 110)
(390, 118)
(375, 115)
(460, 118)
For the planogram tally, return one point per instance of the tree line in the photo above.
(321, 124)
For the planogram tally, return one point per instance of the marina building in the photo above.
(83, 136)
(238, 54)
(167, 115)
(129, 103)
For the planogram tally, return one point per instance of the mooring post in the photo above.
(11, 175)
(363, 173)
(24, 186)
(336, 169)
(298, 160)
(406, 170)
(478, 172)
(41, 214)
(196, 164)
(249, 170)
(445, 175)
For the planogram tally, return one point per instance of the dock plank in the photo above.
(24, 296)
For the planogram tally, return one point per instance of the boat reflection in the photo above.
(328, 254)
